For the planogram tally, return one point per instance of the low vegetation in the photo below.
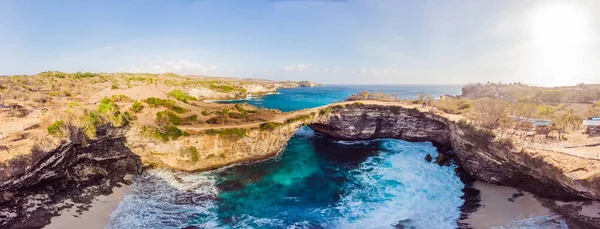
(231, 133)
(56, 129)
(167, 103)
(181, 96)
(111, 112)
(269, 126)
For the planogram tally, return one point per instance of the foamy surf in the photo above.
(400, 187)
(363, 184)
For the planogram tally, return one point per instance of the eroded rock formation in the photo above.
(547, 174)
(33, 189)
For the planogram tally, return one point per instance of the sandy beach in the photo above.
(503, 206)
(95, 217)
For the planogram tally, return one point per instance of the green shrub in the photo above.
(193, 153)
(168, 118)
(164, 133)
(325, 111)
(120, 98)
(89, 124)
(156, 102)
(181, 96)
(232, 133)
(237, 115)
(136, 106)
(114, 87)
(219, 119)
(205, 113)
(298, 118)
(129, 116)
(110, 110)
(358, 103)
(56, 129)
(191, 118)
(269, 126)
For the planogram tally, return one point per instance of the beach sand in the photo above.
(95, 217)
(503, 206)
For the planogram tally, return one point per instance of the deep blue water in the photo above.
(289, 99)
(315, 182)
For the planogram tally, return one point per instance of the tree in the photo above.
(489, 113)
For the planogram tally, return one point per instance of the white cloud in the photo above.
(107, 47)
(296, 68)
(184, 66)
(333, 69)
(179, 67)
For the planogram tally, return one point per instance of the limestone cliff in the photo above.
(77, 170)
(548, 174)
(33, 188)
(200, 152)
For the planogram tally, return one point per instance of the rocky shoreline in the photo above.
(33, 189)
(70, 176)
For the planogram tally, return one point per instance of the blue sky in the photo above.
(363, 41)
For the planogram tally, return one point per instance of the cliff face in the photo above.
(77, 171)
(548, 174)
(71, 171)
(200, 152)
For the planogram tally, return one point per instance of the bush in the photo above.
(56, 129)
(325, 111)
(181, 96)
(237, 115)
(191, 118)
(193, 153)
(205, 113)
(114, 87)
(168, 118)
(120, 98)
(129, 116)
(219, 119)
(156, 102)
(165, 133)
(110, 110)
(269, 126)
(232, 133)
(89, 123)
(298, 118)
(136, 106)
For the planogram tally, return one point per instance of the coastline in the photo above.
(507, 207)
(92, 216)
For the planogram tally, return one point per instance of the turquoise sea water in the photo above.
(315, 182)
(289, 99)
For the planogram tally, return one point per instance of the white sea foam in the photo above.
(399, 185)
(162, 198)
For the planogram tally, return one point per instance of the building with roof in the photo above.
(592, 125)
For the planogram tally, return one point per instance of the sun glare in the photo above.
(559, 34)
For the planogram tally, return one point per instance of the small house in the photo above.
(592, 125)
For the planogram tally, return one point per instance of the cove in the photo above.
(315, 182)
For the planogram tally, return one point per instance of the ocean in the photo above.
(290, 99)
(315, 182)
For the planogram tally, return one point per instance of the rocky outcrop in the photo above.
(547, 174)
(34, 188)
(201, 152)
